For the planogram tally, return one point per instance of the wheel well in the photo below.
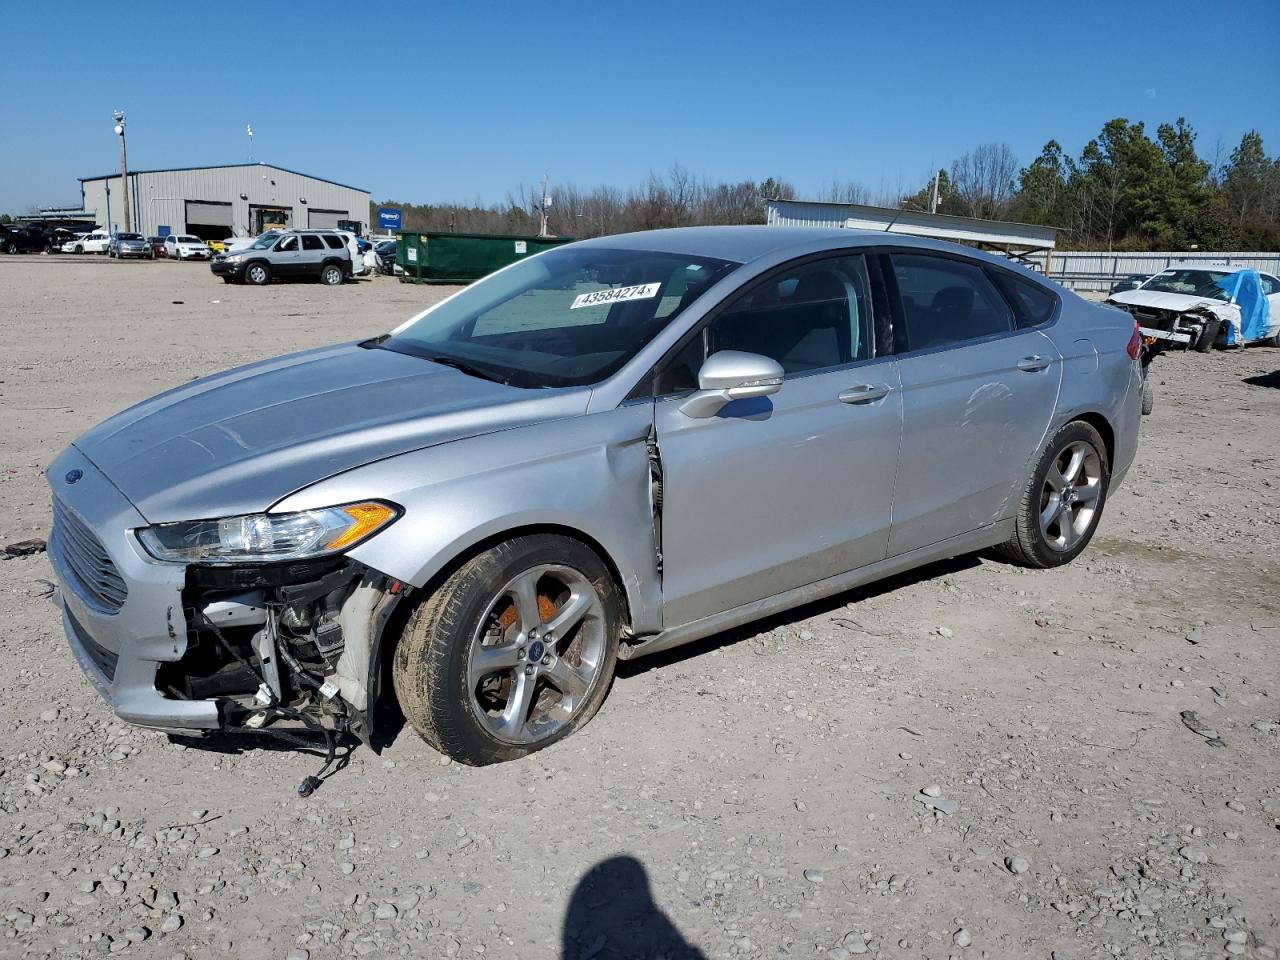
(1103, 426)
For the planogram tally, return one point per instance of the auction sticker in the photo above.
(640, 291)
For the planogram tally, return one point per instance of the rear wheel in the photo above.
(258, 274)
(511, 653)
(331, 275)
(1063, 500)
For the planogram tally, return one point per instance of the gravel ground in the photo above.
(972, 761)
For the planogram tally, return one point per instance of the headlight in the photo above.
(268, 537)
(234, 258)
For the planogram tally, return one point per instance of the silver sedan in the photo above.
(599, 452)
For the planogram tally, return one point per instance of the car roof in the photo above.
(746, 243)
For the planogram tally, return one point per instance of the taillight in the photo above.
(1135, 342)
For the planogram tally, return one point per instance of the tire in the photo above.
(258, 274)
(79, 249)
(331, 275)
(1148, 397)
(1208, 334)
(227, 280)
(481, 708)
(1037, 544)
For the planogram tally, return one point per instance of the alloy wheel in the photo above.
(537, 654)
(1070, 495)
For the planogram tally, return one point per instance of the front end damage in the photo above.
(284, 647)
(1195, 328)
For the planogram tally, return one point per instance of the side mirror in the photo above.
(732, 375)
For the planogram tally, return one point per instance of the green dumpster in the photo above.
(463, 257)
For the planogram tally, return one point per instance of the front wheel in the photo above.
(11, 248)
(1063, 501)
(257, 274)
(331, 275)
(1208, 334)
(513, 652)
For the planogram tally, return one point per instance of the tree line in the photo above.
(1125, 191)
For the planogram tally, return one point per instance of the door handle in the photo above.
(1032, 363)
(864, 393)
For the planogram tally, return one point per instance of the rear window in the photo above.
(1032, 304)
(335, 243)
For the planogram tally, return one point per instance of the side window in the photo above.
(1032, 304)
(287, 244)
(311, 242)
(947, 301)
(809, 317)
(1270, 285)
(335, 243)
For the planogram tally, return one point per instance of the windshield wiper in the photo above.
(466, 368)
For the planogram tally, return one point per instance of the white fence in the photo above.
(1095, 271)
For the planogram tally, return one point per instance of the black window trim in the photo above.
(646, 386)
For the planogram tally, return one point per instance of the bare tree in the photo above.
(984, 180)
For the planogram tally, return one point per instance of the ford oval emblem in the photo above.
(74, 475)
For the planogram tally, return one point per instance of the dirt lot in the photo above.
(752, 796)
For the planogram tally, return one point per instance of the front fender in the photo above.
(586, 474)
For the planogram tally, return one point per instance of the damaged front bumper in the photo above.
(191, 649)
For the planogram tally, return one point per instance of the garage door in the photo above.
(209, 221)
(325, 218)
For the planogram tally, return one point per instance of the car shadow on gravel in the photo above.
(1271, 379)
(612, 915)
(630, 668)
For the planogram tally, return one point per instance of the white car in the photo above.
(95, 242)
(183, 247)
(1196, 304)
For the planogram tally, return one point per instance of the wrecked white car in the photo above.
(1198, 305)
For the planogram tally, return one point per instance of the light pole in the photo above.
(124, 173)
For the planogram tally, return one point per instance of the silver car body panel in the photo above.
(769, 503)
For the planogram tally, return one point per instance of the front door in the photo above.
(783, 491)
(285, 258)
(977, 397)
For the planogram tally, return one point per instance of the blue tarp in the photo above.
(1244, 287)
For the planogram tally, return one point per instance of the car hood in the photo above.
(1159, 300)
(238, 442)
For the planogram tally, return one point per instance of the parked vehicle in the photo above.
(386, 253)
(217, 246)
(1129, 282)
(237, 244)
(184, 247)
(1197, 305)
(57, 238)
(353, 243)
(124, 245)
(600, 452)
(157, 246)
(15, 239)
(96, 241)
(292, 255)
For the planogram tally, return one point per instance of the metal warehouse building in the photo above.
(213, 203)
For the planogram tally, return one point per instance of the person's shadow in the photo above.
(612, 915)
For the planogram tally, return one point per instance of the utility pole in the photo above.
(124, 174)
(933, 194)
(544, 203)
(248, 128)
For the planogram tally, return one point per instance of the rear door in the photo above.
(978, 394)
(313, 254)
(782, 491)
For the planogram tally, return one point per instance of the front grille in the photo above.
(92, 567)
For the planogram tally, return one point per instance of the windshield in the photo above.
(190, 240)
(1192, 283)
(569, 317)
(264, 241)
(128, 236)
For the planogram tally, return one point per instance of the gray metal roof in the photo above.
(227, 166)
(1000, 233)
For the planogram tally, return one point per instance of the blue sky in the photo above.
(437, 101)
